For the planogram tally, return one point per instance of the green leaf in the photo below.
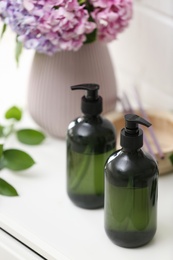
(56, 7)
(1, 163)
(91, 37)
(14, 112)
(16, 160)
(30, 136)
(1, 150)
(18, 52)
(81, 1)
(171, 158)
(6, 189)
(1, 131)
(3, 30)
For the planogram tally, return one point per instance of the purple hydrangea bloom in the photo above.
(111, 17)
(49, 26)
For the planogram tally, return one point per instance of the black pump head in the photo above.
(91, 102)
(132, 135)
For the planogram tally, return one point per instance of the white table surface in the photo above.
(43, 217)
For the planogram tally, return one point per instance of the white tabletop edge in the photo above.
(29, 239)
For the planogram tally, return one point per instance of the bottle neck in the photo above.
(126, 150)
(94, 117)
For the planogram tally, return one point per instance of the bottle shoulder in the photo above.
(96, 133)
(124, 165)
(91, 126)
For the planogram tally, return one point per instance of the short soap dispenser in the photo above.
(131, 177)
(90, 141)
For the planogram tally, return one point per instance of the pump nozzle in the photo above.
(132, 121)
(132, 135)
(92, 90)
(91, 102)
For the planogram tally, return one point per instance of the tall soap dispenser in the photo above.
(131, 177)
(90, 141)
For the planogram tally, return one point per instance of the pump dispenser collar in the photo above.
(91, 103)
(132, 135)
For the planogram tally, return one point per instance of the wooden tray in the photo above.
(162, 123)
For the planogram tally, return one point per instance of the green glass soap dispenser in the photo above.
(131, 178)
(90, 141)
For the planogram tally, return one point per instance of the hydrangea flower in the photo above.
(49, 26)
(111, 17)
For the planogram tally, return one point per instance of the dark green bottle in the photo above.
(90, 141)
(131, 178)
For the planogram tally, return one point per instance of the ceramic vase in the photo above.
(51, 102)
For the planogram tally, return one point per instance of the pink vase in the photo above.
(51, 102)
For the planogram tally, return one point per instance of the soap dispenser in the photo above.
(90, 141)
(131, 178)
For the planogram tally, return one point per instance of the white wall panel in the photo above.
(144, 52)
(163, 6)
